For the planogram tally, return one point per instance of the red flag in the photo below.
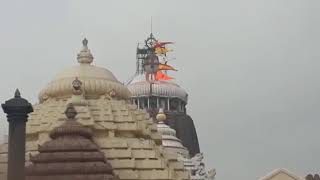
(162, 76)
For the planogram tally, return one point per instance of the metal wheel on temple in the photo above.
(143, 52)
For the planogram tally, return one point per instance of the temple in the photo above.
(162, 92)
(88, 125)
(71, 154)
(126, 135)
(154, 90)
(173, 145)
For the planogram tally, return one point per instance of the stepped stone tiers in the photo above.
(71, 154)
(312, 177)
(172, 144)
(126, 135)
(169, 140)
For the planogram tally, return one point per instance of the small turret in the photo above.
(169, 140)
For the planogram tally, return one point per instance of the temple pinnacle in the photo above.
(17, 94)
(85, 56)
(161, 116)
(85, 42)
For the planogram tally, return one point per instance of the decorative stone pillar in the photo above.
(17, 110)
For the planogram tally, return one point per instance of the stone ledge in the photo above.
(127, 174)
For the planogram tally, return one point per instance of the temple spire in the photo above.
(85, 56)
(17, 94)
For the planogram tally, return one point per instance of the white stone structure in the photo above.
(173, 145)
(160, 94)
(169, 140)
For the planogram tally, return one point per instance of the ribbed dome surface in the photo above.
(97, 81)
(140, 87)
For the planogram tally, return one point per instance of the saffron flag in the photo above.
(162, 76)
(161, 44)
(166, 67)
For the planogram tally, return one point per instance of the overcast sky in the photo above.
(251, 68)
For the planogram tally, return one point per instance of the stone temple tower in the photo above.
(165, 94)
(124, 133)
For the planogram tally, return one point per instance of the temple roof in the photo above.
(126, 135)
(282, 174)
(71, 154)
(140, 87)
(97, 81)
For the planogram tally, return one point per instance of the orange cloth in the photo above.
(162, 50)
(162, 76)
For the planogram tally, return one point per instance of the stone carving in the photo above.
(199, 170)
(76, 84)
(311, 177)
(112, 93)
(109, 95)
(197, 159)
(211, 174)
(77, 98)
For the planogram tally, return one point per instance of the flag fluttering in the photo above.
(162, 51)
(154, 70)
(166, 67)
(162, 76)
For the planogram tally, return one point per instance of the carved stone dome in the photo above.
(140, 87)
(97, 81)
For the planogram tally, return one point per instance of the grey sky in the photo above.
(251, 68)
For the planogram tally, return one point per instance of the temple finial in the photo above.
(161, 116)
(85, 42)
(85, 56)
(151, 25)
(17, 94)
